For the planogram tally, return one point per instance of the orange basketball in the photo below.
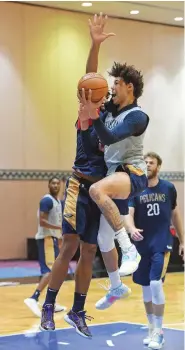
(95, 82)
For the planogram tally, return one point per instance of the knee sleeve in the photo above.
(158, 297)
(105, 236)
(147, 294)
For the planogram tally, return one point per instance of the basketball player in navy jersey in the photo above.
(48, 236)
(152, 211)
(80, 225)
(121, 130)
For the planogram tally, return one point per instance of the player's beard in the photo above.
(54, 193)
(152, 174)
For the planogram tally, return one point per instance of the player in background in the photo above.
(48, 237)
(153, 211)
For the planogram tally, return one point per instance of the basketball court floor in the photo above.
(121, 327)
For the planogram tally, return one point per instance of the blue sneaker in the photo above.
(157, 340)
(77, 320)
(47, 321)
(130, 261)
(113, 295)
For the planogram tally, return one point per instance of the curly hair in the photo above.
(129, 74)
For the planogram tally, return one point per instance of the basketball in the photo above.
(95, 82)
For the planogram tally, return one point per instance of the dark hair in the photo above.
(154, 155)
(129, 75)
(53, 178)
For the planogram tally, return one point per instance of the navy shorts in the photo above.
(80, 214)
(138, 178)
(48, 250)
(151, 268)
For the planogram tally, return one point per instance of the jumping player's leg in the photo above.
(83, 275)
(60, 267)
(76, 317)
(109, 253)
(117, 186)
(58, 276)
(88, 223)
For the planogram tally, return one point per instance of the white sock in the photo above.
(151, 320)
(123, 239)
(115, 279)
(158, 322)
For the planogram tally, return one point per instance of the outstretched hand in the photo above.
(96, 27)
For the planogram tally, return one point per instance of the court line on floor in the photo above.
(94, 325)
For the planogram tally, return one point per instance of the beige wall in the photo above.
(18, 219)
(42, 56)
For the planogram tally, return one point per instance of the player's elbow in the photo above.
(175, 215)
(42, 222)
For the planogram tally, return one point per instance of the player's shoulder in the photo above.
(138, 113)
(166, 183)
(47, 199)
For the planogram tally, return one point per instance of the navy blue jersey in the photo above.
(91, 161)
(153, 209)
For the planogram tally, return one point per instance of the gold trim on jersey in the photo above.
(70, 205)
(134, 170)
(49, 251)
(165, 265)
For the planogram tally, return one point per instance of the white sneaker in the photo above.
(130, 261)
(59, 308)
(114, 294)
(33, 306)
(157, 340)
(148, 339)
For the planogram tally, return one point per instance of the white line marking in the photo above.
(62, 343)
(31, 332)
(174, 324)
(110, 343)
(118, 333)
(98, 324)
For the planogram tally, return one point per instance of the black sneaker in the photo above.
(47, 321)
(77, 320)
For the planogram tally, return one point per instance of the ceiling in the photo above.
(150, 11)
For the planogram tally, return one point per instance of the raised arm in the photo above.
(96, 27)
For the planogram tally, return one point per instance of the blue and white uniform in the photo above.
(122, 135)
(47, 239)
(153, 211)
